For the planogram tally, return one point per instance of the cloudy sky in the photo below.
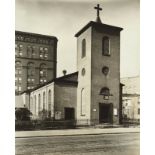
(63, 18)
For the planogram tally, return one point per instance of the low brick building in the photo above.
(56, 99)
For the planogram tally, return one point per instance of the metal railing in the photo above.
(44, 124)
(68, 124)
(130, 122)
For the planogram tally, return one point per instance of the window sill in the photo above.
(106, 55)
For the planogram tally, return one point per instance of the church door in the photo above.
(105, 113)
(69, 113)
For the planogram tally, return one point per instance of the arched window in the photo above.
(31, 51)
(83, 48)
(105, 46)
(49, 96)
(35, 104)
(43, 52)
(30, 69)
(18, 67)
(16, 49)
(83, 102)
(19, 50)
(31, 104)
(49, 103)
(18, 76)
(43, 100)
(39, 102)
(30, 75)
(43, 73)
(105, 92)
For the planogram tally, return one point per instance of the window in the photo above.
(18, 50)
(138, 111)
(46, 53)
(31, 104)
(30, 75)
(18, 80)
(105, 92)
(30, 80)
(138, 100)
(83, 72)
(18, 75)
(30, 69)
(43, 73)
(105, 70)
(105, 46)
(83, 102)
(18, 88)
(31, 51)
(43, 54)
(39, 102)
(30, 87)
(83, 48)
(49, 103)
(35, 104)
(49, 96)
(43, 100)
(18, 67)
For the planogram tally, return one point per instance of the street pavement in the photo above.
(69, 132)
(102, 144)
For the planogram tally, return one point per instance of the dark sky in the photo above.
(63, 18)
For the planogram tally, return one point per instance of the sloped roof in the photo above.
(71, 79)
(92, 23)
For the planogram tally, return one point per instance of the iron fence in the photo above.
(130, 122)
(68, 124)
(43, 125)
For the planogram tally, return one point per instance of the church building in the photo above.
(92, 94)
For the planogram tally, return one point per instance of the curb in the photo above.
(77, 134)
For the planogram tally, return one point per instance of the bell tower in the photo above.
(98, 65)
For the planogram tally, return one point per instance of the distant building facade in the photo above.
(35, 60)
(131, 98)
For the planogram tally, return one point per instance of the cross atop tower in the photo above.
(98, 16)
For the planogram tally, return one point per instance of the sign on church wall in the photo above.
(58, 115)
(115, 112)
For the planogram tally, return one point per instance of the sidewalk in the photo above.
(69, 132)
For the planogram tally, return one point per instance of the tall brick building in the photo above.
(35, 60)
